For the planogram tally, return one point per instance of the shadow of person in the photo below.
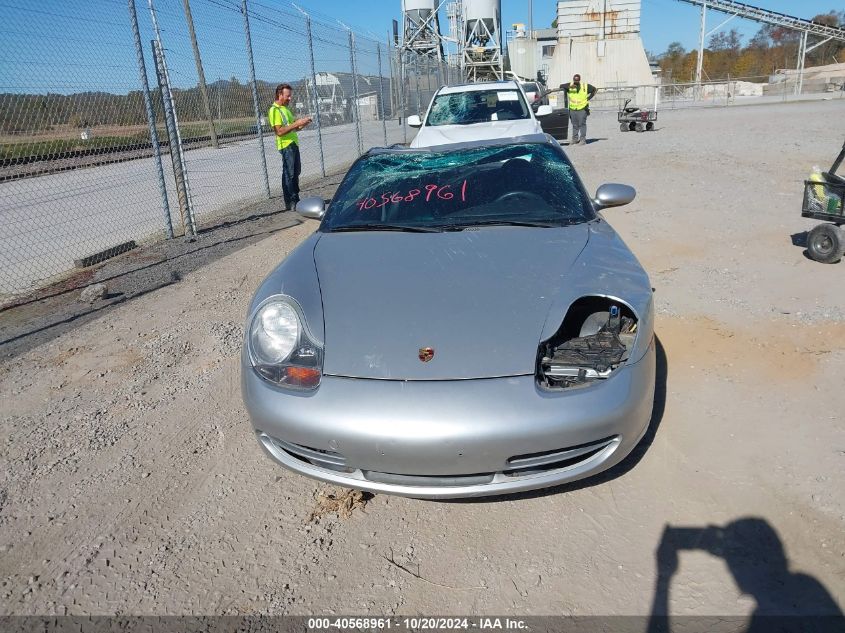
(755, 555)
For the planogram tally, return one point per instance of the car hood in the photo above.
(445, 134)
(478, 298)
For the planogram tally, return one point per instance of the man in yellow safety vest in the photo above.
(577, 97)
(282, 121)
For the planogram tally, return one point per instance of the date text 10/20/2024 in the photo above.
(419, 623)
(441, 192)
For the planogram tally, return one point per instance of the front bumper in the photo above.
(457, 438)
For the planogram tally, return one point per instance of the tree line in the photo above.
(25, 114)
(772, 48)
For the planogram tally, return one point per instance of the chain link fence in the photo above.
(728, 92)
(148, 118)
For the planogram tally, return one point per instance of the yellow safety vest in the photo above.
(281, 115)
(577, 98)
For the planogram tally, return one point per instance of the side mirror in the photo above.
(543, 110)
(314, 208)
(414, 120)
(613, 195)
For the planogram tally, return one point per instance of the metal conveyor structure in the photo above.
(742, 10)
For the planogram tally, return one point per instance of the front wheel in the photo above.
(623, 127)
(826, 243)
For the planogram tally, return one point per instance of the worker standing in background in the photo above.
(285, 125)
(577, 97)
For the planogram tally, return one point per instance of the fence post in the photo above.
(151, 119)
(255, 97)
(390, 80)
(316, 94)
(381, 95)
(200, 74)
(355, 113)
(173, 141)
(402, 95)
(417, 83)
(164, 80)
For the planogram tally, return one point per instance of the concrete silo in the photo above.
(481, 39)
(421, 28)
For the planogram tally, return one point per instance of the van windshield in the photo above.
(477, 106)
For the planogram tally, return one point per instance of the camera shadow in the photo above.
(757, 560)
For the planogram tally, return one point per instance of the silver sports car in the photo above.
(463, 323)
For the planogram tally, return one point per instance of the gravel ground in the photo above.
(132, 483)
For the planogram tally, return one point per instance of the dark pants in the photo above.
(579, 125)
(290, 173)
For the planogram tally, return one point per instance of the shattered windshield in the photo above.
(528, 184)
(477, 106)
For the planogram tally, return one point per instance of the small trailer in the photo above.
(824, 199)
(631, 118)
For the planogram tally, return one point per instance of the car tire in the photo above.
(826, 243)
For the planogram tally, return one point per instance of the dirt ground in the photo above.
(132, 482)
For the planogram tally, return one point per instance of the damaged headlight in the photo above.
(280, 347)
(595, 338)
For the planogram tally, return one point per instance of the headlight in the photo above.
(281, 349)
(274, 332)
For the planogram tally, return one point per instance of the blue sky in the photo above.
(663, 21)
(68, 46)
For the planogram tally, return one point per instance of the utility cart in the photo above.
(632, 118)
(824, 194)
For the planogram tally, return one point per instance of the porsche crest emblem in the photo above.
(426, 354)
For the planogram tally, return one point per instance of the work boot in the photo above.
(583, 141)
(574, 141)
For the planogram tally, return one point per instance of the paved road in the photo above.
(47, 222)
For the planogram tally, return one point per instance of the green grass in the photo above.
(20, 149)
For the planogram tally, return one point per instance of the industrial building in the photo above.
(599, 39)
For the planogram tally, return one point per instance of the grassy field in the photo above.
(63, 139)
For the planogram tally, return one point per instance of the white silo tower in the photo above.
(481, 40)
(421, 28)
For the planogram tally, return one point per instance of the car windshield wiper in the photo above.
(534, 223)
(384, 227)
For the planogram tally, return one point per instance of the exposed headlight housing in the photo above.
(595, 338)
(281, 348)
